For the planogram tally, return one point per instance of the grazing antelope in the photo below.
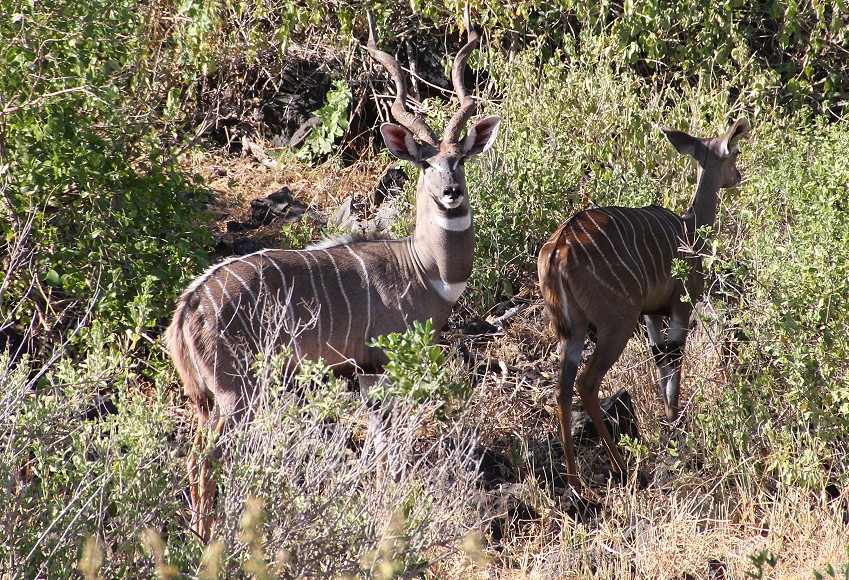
(336, 296)
(606, 267)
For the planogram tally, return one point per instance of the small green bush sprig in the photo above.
(416, 368)
(333, 121)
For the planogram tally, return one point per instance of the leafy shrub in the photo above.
(792, 310)
(416, 370)
(111, 215)
(83, 464)
(332, 122)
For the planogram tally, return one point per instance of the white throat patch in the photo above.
(448, 291)
(454, 224)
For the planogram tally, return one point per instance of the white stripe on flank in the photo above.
(572, 254)
(220, 323)
(328, 302)
(676, 227)
(448, 291)
(651, 232)
(632, 248)
(368, 292)
(344, 296)
(241, 280)
(245, 260)
(610, 267)
(196, 283)
(564, 303)
(581, 245)
(453, 224)
(235, 304)
(316, 301)
(619, 242)
(636, 216)
(671, 241)
(190, 344)
(613, 244)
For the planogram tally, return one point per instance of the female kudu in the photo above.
(606, 267)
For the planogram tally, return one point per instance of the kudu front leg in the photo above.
(667, 345)
(656, 330)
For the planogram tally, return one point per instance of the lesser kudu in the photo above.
(327, 302)
(606, 267)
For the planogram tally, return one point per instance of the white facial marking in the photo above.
(453, 224)
(448, 291)
(441, 165)
(449, 203)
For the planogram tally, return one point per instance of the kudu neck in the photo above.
(440, 245)
(704, 208)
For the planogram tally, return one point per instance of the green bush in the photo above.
(792, 398)
(111, 216)
(79, 468)
(416, 370)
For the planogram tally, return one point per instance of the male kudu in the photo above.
(334, 298)
(606, 267)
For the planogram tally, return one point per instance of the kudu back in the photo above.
(606, 267)
(328, 301)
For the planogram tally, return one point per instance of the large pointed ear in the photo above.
(683, 142)
(482, 135)
(736, 132)
(400, 142)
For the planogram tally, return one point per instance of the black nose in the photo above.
(453, 192)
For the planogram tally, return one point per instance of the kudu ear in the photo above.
(736, 132)
(400, 142)
(683, 142)
(482, 135)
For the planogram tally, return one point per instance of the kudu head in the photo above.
(716, 156)
(442, 177)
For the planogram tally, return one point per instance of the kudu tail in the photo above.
(180, 344)
(552, 284)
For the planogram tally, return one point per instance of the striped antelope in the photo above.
(336, 296)
(606, 267)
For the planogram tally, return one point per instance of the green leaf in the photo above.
(52, 278)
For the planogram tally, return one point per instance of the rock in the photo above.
(234, 227)
(618, 416)
(243, 247)
(281, 203)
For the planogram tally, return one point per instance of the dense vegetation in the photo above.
(105, 107)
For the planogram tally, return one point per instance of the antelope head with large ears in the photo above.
(442, 177)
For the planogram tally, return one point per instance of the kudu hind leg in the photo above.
(197, 468)
(570, 359)
(207, 489)
(608, 349)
